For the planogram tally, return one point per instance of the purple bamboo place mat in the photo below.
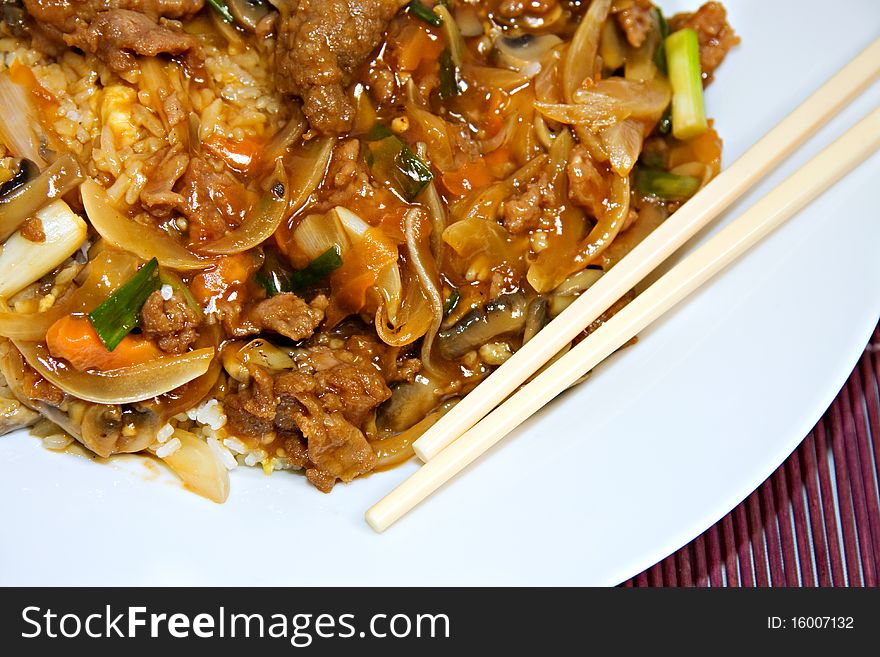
(815, 521)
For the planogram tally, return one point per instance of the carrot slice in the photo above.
(74, 339)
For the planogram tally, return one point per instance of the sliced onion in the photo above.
(199, 468)
(609, 225)
(260, 223)
(23, 202)
(623, 143)
(581, 56)
(286, 137)
(136, 238)
(454, 40)
(18, 121)
(468, 21)
(492, 77)
(394, 450)
(107, 271)
(437, 214)
(306, 169)
(610, 101)
(120, 386)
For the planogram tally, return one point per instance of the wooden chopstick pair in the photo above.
(467, 431)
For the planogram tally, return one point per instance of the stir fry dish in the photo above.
(294, 233)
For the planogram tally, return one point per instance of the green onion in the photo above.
(451, 302)
(685, 75)
(419, 10)
(660, 53)
(449, 80)
(394, 163)
(666, 186)
(221, 8)
(118, 315)
(379, 132)
(317, 270)
(276, 278)
(661, 20)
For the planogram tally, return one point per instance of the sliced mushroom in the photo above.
(505, 314)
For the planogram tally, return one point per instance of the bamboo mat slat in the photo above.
(815, 521)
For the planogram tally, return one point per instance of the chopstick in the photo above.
(748, 229)
(681, 226)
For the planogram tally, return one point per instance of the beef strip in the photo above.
(587, 186)
(635, 18)
(285, 314)
(212, 202)
(319, 410)
(715, 34)
(172, 323)
(525, 211)
(320, 45)
(116, 30)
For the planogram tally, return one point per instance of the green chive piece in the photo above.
(451, 302)
(685, 75)
(394, 163)
(118, 315)
(660, 52)
(666, 186)
(379, 132)
(419, 10)
(317, 270)
(275, 278)
(221, 8)
(449, 80)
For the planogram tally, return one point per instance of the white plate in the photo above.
(612, 477)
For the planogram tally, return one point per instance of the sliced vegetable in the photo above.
(505, 314)
(580, 57)
(685, 75)
(610, 101)
(660, 52)
(318, 269)
(120, 386)
(220, 7)
(248, 13)
(198, 466)
(451, 302)
(108, 270)
(449, 76)
(261, 221)
(20, 202)
(74, 339)
(19, 126)
(666, 186)
(118, 315)
(393, 162)
(454, 40)
(23, 262)
(524, 53)
(137, 238)
(277, 279)
(419, 10)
